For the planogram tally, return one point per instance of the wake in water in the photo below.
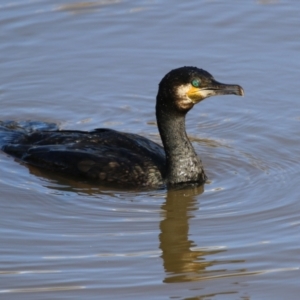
(12, 132)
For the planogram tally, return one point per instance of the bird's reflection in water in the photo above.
(181, 262)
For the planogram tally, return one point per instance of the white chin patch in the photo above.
(182, 90)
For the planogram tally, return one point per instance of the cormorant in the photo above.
(124, 159)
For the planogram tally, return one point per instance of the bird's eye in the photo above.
(196, 82)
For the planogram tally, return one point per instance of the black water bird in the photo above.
(124, 159)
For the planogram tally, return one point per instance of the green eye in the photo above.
(196, 82)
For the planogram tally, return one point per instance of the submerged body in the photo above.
(106, 155)
(118, 158)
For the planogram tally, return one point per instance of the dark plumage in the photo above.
(118, 158)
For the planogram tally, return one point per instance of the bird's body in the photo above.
(110, 156)
(124, 159)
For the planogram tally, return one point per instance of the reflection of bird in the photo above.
(182, 262)
(183, 259)
(119, 158)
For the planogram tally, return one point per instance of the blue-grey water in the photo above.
(96, 64)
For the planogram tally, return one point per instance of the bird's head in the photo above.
(184, 87)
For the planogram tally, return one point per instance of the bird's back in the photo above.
(105, 155)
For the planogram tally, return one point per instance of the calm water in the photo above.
(97, 64)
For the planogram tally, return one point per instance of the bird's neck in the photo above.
(183, 164)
